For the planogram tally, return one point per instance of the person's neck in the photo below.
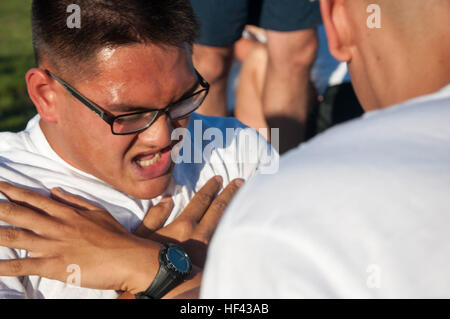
(409, 72)
(419, 80)
(51, 135)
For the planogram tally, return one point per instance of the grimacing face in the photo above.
(130, 78)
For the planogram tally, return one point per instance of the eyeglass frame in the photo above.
(109, 119)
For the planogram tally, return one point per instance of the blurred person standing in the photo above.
(292, 45)
(252, 53)
(336, 103)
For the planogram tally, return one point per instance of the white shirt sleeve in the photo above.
(255, 152)
(225, 147)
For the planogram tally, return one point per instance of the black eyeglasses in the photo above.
(135, 122)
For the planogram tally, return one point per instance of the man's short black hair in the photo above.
(107, 23)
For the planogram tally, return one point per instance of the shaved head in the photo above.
(409, 15)
(405, 56)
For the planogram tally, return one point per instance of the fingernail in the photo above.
(56, 190)
(166, 199)
(239, 182)
(218, 179)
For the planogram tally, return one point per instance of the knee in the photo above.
(259, 54)
(257, 58)
(294, 55)
(212, 63)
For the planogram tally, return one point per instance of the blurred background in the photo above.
(16, 57)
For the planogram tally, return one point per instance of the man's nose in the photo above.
(159, 133)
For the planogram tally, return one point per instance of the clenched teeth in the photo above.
(149, 162)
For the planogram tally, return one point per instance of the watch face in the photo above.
(179, 259)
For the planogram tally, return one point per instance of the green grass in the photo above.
(16, 57)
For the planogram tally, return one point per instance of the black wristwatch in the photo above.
(174, 266)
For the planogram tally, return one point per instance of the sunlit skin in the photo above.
(128, 78)
(407, 57)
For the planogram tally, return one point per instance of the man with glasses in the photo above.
(110, 96)
(136, 122)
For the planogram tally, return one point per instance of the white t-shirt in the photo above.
(360, 211)
(27, 160)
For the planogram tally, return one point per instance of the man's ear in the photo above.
(42, 94)
(337, 27)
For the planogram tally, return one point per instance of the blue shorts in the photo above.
(222, 21)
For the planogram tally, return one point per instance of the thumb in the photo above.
(155, 218)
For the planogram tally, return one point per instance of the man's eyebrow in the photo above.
(130, 108)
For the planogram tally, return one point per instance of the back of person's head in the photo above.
(106, 23)
(395, 49)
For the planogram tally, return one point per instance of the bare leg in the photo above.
(214, 63)
(248, 108)
(288, 94)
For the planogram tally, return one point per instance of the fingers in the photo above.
(210, 220)
(32, 199)
(23, 217)
(90, 211)
(201, 201)
(71, 200)
(21, 239)
(155, 217)
(26, 267)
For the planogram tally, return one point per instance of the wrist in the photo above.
(144, 268)
(175, 266)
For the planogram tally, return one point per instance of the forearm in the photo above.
(109, 257)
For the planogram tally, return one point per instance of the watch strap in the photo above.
(166, 278)
(162, 284)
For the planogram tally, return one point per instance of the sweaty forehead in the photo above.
(137, 74)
